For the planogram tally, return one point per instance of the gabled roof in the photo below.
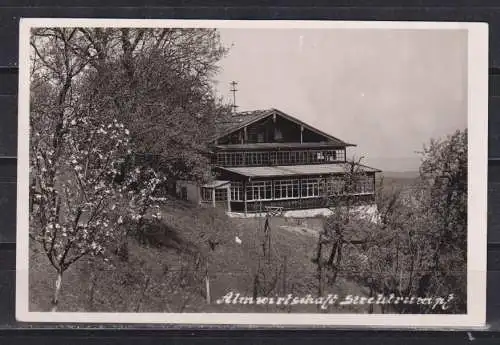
(235, 121)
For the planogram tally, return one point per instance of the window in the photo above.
(331, 156)
(238, 158)
(286, 189)
(364, 185)
(206, 194)
(278, 157)
(272, 158)
(310, 188)
(265, 158)
(286, 157)
(220, 194)
(221, 159)
(320, 156)
(310, 156)
(334, 185)
(340, 155)
(254, 158)
(229, 159)
(236, 191)
(257, 158)
(259, 190)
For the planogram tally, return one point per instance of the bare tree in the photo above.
(159, 81)
(341, 194)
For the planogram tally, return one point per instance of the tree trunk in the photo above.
(255, 285)
(91, 286)
(318, 251)
(57, 289)
(285, 278)
(332, 254)
(370, 306)
(319, 265)
(320, 279)
(143, 294)
(337, 261)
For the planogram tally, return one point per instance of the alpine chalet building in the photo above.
(266, 160)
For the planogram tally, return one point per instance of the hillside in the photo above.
(166, 265)
(397, 179)
(401, 174)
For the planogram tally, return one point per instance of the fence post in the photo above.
(207, 284)
(284, 274)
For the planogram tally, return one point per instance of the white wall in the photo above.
(193, 190)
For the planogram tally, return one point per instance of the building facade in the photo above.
(267, 160)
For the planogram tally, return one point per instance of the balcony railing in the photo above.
(269, 158)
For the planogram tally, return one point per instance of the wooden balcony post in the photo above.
(272, 189)
(245, 196)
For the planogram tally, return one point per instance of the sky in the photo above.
(387, 91)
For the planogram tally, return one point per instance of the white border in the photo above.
(477, 182)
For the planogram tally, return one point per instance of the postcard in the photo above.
(252, 173)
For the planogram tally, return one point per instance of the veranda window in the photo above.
(286, 189)
(334, 185)
(236, 191)
(206, 194)
(340, 155)
(229, 159)
(331, 156)
(221, 194)
(278, 157)
(364, 185)
(310, 188)
(259, 190)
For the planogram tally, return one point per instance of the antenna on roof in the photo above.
(233, 90)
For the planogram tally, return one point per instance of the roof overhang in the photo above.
(280, 146)
(216, 184)
(293, 170)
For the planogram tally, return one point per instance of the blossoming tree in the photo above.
(76, 158)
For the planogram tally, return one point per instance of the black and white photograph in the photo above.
(252, 172)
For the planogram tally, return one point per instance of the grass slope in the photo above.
(166, 267)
